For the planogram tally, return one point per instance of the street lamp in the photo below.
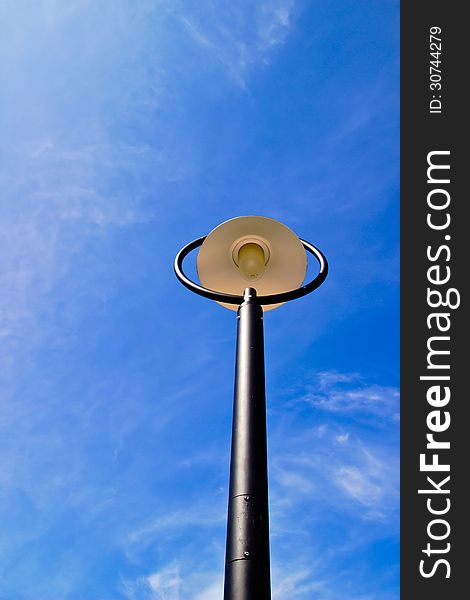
(250, 264)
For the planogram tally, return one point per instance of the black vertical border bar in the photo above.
(421, 133)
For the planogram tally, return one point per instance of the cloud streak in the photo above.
(346, 393)
(238, 39)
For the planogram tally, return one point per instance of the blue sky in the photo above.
(128, 128)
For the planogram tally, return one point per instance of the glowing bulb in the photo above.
(251, 261)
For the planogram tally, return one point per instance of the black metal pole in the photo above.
(247, 566)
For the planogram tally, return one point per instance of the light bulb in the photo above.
(251, 261)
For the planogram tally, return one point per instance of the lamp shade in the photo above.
(255, 252)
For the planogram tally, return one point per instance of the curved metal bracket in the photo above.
(233, 299)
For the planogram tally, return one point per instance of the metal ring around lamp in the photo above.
(263, 300)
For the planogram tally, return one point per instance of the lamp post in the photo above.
(250, 264)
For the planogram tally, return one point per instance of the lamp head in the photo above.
(252, 252)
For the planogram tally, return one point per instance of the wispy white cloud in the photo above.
(356, 483)
(366, 475)
(372, 480)
(213, 591)
(329, 469)
(175, 581)
(56, 205)
(193, 515)
(166, 584)
(238, 39)
(295, 482)
(292, 582)
(327, 379)
(347, 393)
(62, 182)
(339, 463)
